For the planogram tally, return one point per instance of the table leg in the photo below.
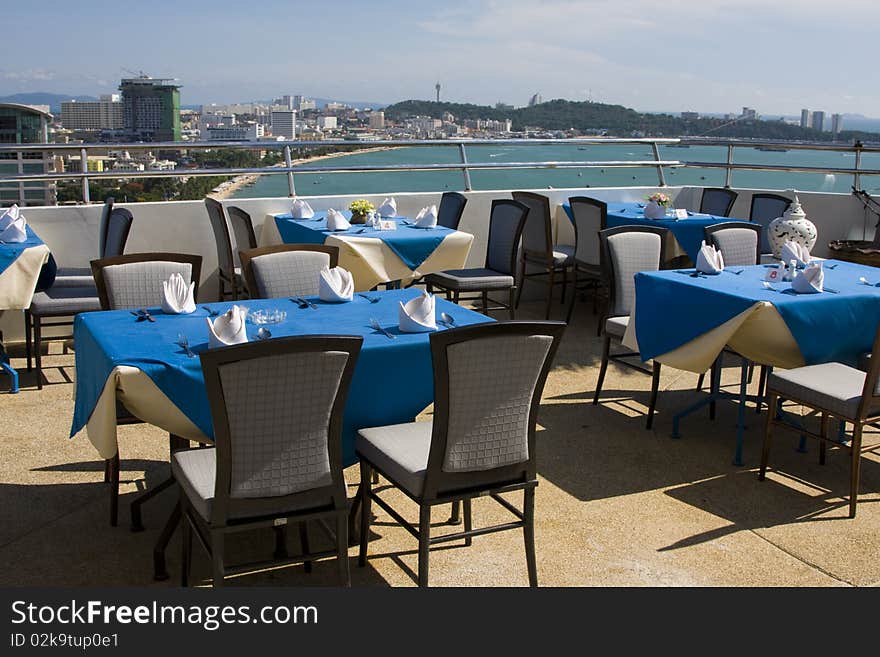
(741, 415)
(6, 367)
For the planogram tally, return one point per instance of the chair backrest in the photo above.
(764, 209)
(286, 269)
(277, 408)
(135, 280)
(627, 250)
(450, 210)
(590, 216)
(488, 380)
(738, 241)
(225, 259)
(118, 228)
(506, 221)
(242, 229)
(102, 230)
(537, 236)
(717, 201)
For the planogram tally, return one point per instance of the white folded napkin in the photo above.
(228, 328)
(809, 280)
(177, 296)
(302, 210)
(336, 220)
(427, 217)
(417, 315)
(12, 225)
(794, 251)
(336, 285)
(388, 208)
(709, 260)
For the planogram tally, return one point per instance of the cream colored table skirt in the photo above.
(371, 261)
(18, 280)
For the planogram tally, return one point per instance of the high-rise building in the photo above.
(151, 109)
(806, 118)
(690, 116)
(327, 122)
(25, 124)
(377, 120)
(749, 113)
(818, 122)
(535, 100)
(836, 124)
(437, 89)
(284, 124)
(103, 114)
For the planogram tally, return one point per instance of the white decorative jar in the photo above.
(792, 226)
(654, 210)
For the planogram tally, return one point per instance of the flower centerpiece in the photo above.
(657, 204)
(359, 210)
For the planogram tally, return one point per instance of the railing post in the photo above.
(857, 183)
(728, 176)
(291, 189)
(465, 170)
(84, 167)
(661, 176)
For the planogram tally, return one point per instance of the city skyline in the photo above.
(481, 52)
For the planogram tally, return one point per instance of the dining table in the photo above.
(403, 253)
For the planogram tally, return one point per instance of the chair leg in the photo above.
(511, 307)
(28, 347)
(655, 386)
(529, 534)
(365, 512)
(221, 292)
(280, 533)
(823, 442)
(485, 300)
(700, 381)
(762, 384)
(455, 296)
(572, 300)
(304, 544)
(342, 548)
(854, 473)
(550, 277)
(768, 434)
(186, 552)
(716, 379)
(217, 549)
(606, 349)
(106, 471)
(424, 537)
(522, 282)
(455, 513)
(113, 466)
(564, 285)
(38, 351)
(468, 520)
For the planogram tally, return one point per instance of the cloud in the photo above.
(29, 75)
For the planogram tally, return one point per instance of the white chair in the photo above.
(286, 269)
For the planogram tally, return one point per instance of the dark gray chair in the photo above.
(717, 201)
(488, 381)
(832, 390)
(82, 276)
(506, 221)
(286, 270)
(230, 283)
(764, 209)
(627, 250)
(242, 229)
(450, 210)
(590, 217)
(538, 249)
(70, 294)
(277, 407)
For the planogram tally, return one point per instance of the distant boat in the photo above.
(773, 149)
(678, 145)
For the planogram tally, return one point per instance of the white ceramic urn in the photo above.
(792, 226)
(654, 210)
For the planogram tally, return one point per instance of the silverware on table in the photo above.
(211, 312)
(374, 323)
(736, 273)
(263, 333)
(183, 343)
(369, 298)
(448, 320)
(142, 314)
(304, 303)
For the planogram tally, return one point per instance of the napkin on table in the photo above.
(336, 285)
(709, 260)
(388, 208)
(336, 220)
(302, 210)
(810, 280)
(12, 225)
(177, 296)
(794, 251)
(427, 217)
(228, 328)
(417, 315)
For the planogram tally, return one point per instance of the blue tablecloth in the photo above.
(688, 232)
(9, 251)
(412, 245)
(393, 380)
(673, 308)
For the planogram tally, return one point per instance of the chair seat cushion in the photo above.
(563, 255)
(833, 387)
(400, 451)
(478, 278)
(194, 470)
(74, 277)
(64, 301)
(616, 326)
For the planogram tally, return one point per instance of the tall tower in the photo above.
(437, 87)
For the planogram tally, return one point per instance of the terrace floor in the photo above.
(616, 506)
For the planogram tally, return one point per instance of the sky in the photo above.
(674, 55)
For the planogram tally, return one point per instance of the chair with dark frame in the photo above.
(242, 228)
(627, 250)
(230, 284)
(286, 270)
(765, 208)
(450, 210)
(717, 201)
(488, 380)
(277, 409)
(590, 217)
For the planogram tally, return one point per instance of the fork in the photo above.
(369, 298)
(299, 302)
(143, 314)
(374, 323)
(211, 312)
(183, 343)
(735, 273)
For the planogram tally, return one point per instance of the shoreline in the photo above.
(227, 189)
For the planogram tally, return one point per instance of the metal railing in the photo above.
(464, 166)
